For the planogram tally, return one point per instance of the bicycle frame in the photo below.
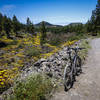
(73, 62)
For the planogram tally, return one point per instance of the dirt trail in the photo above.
(87, 86)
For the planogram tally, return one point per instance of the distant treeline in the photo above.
(8, 25)
(67, 29)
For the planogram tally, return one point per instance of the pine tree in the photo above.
(88, 26)
(97, 14)
(7, 25)
(28, 23)
(95, 18)
(1, 26)
(16, 25)
(30, 26)
(43, 33)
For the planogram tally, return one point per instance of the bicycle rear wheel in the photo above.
(79, 65)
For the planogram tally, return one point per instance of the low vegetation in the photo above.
(84, 44)
(32, 51)
(36, 87)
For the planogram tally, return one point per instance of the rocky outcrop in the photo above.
(53, 66)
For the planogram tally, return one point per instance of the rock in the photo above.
(50, 74)
(39, 70)
(2, 52)
(1, 98)
(38, 63)
(12, 60)
(51, 59)
(44, 65)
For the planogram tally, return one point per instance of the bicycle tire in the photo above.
(68, 78)
(79, 65)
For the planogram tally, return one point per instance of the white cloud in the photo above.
(7, 8)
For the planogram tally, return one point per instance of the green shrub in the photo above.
(84, 44)
(21, 46)
(33, 51)
(56, 41)
(15, 42)
(35, 88)
(73, 38)
(77, 36)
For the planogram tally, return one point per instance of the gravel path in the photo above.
(87, 86)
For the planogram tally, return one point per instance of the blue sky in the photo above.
(54, 11)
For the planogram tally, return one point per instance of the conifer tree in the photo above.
(28, 23)
(16, 25)
(1, 26)
(97, 15)
(43, 33)
(7, 25)
(95, 18)
(30, 26)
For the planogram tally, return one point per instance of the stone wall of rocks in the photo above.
(53, 66)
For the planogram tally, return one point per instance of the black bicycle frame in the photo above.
(73, 62)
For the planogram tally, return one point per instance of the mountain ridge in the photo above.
(47, 24)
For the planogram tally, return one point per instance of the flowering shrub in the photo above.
(68, 43)
(6, 78)
(37, 40)
(46, 55)
(6, 40)
(20, 55)
(56, 49)
(33, 51)
(51, 46)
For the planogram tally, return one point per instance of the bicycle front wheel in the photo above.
(68, 78)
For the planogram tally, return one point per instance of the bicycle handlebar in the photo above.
(75, 49)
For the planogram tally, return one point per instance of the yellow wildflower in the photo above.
(1, 77)
(5, 75)
(2, 83)
(3, 80)
(37, 40)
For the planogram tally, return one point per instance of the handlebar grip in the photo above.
(81, 48)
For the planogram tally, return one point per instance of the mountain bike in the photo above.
(73, 69)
